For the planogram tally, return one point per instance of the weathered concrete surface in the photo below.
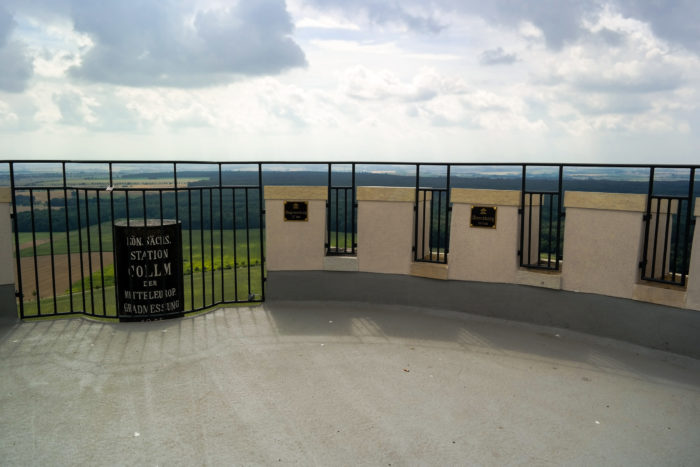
(311, 383)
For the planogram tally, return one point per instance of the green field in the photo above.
(199, 261)
(199, 283)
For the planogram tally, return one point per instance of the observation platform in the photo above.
(340, 383)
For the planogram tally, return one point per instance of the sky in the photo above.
(336, 80)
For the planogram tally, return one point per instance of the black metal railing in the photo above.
(541, 226)
(341, 217)
(668, 235)
(432, 215)
(63, 227)
(69, 270)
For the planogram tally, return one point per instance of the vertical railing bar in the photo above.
(189, 221)
(668, 219)
(522, 216)
(337, 205)
(529, 234)
(345, 221)
(18, 256)
(102, 265)
(645, 251)
(439, 221)
(201, 245)
(221, 236)
(211, 245)
(539, 232)
(65, 208)
(674, 250)
(422, 256)
(36, 267)
(549, 248)
(688, 219)
(111, 214)
(235, 247)
(329, 210)
(53, 265)
(177, 197)
(261, 222)
(353, 202)
(560, 201)
(177, 218)
(143, 203)
(415, 215)
(80, 249)
(89, 245)
(247, 237)
(448, 215)
(160, 205)
(128, 213)
(656, 237)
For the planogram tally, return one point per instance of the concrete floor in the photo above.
(339, 384)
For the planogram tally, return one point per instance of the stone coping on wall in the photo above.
(605, 201)
(296, 192)
(494, 197)
(380, 193)
(5, 195)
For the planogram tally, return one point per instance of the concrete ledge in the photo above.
(296, 192)
(5, 195)
(647, 324)
(429, 270)
(605, 201)
(375, 193)
(549, 280)
(697, 207)
(494, 197)
(340, 263)
(659, 294)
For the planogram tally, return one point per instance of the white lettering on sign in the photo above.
(151, 265)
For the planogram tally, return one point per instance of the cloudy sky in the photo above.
(444, 80)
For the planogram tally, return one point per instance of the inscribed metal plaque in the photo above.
(148, 261)
(296, 210)
(483, 216)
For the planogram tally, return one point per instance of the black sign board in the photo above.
(148, 261)
(483, 216)
(296, 210)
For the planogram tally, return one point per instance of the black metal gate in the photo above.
(432, 214)
(63, 238)
(668, 235)
(541, 225)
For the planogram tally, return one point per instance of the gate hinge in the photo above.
(12, 215)
(692, 221)
(518, 253)
(18, 294)
(646, 217)
(262, 211)
(562, 215)
(520, 210)
(642, 264)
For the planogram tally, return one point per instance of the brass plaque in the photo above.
(296, 211)
(483, 216)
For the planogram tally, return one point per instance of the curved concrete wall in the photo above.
(598, 289)
(650, 325)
